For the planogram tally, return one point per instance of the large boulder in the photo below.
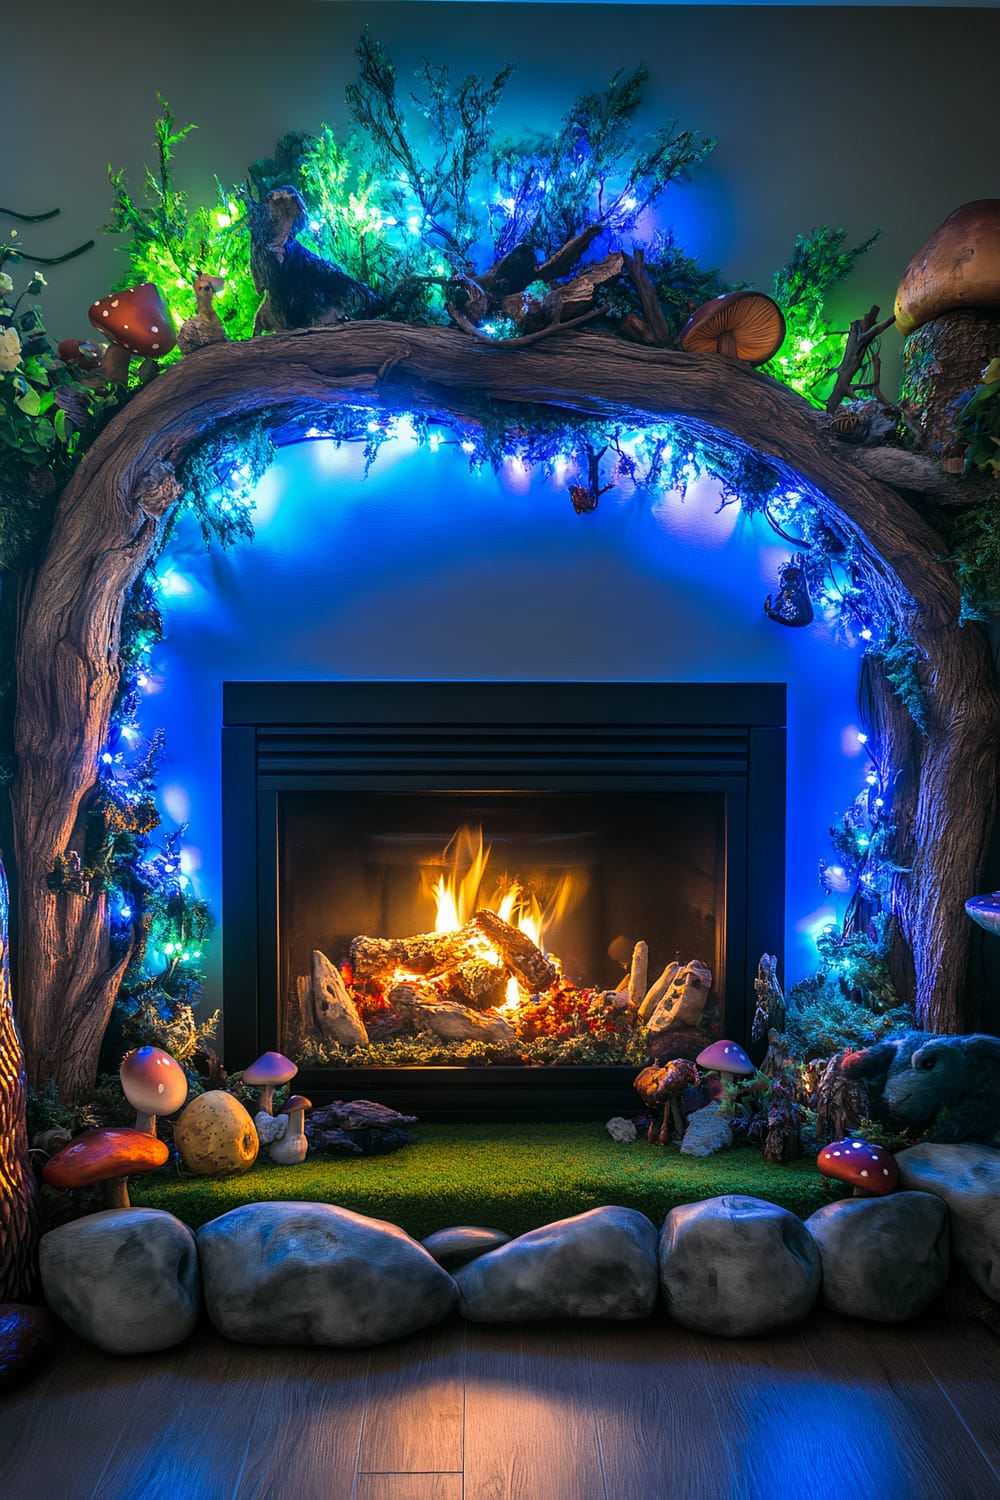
(600, 1264)
(967, 1179)
(310, 1273)
(737, 1266)
(126, 1279)
(885, 1259)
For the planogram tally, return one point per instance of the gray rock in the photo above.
(335, 1012)
(737, 1266)
(885, 1259)
(126, 1279)
(967, 1178)
(465, 1242)
(621, 1130)
(309, 1273)
(707, 1132)
(600, 1264)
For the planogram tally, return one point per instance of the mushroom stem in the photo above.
(266, 1099)
(677, 1116)
(144, 1122)
(727, 342)
(116, 1192)
(115, 363)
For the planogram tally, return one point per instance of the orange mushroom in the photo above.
(139, 325)
(957, 270)
(110, 1156)
(747, 325)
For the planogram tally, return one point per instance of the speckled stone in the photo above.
(126, 1279)
(737, 1266)
(600, 1264)
(465, 1242)
(27, 1338)
(310, 1273)
(967, 1178)
(884, 1259)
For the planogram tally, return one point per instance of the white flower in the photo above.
(6, 285)
(10, 349)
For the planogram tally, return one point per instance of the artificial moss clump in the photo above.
(511, 1177)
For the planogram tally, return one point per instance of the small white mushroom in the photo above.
(292, 1145)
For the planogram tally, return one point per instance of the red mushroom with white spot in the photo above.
(138, 323)
(110, 1156)
(268, 1073)
(869, 1170)
(154, 1083)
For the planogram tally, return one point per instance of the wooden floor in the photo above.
(834, 1411)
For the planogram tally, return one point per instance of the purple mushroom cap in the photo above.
(725, 1057)
(985, 910)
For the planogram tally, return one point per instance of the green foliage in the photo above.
(592, 170)
(877, 1134)
(433, 197)
(426, 1051)
(849, 1003)
(517, 1177)
(47, 416)
(979, 423)
(169, 243)
(219, 477)
(901, 661)
(812, 349)
(975, 531)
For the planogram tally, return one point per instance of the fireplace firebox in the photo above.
(452, 896)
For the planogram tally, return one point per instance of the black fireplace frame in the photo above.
(470, 736)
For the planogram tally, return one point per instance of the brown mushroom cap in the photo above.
(870, 1169)
(99, 1155)
(270, 1067)
(138, 319)
(749, 325)
(958, 268)
(677, 1076)
(297, 1101)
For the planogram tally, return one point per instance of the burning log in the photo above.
(519, 953)
(449, 1020)
(479, 980)
(425, 953)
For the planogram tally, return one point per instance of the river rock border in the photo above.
(131, 1280)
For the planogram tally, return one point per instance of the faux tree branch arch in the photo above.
(109, 517)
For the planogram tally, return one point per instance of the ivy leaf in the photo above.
(30, 403)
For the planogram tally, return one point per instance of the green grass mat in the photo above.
(511, 1177)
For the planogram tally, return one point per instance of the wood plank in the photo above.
(656, 1414)
(964, 1359)
(530, 1432)
(885, 1422)
(409, 1487)
(416, 1404)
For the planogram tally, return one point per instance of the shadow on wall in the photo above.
(423, 570)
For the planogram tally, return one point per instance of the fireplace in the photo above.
(441, 895)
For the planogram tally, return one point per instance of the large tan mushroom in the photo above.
(154, 1083)
(958, 269)
(747, 325)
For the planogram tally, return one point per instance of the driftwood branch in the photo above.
(859, 351)
(71, 610)
(525, 338)
(652, 308)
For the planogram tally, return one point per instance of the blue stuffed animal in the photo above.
(947, 1086)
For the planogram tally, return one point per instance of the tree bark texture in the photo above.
(67, 650)
(941, 361)
(18, 1224)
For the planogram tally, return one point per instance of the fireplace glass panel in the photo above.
(585, 876)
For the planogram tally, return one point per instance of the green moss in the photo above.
(511, 1177)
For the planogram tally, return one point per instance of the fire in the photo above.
(462, 890)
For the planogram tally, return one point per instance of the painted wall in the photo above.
(421, 570)
(861, 117)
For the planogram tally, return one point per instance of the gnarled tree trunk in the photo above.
(18, 1225)
(68, 642)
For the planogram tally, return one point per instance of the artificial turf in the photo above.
(510, 1177)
